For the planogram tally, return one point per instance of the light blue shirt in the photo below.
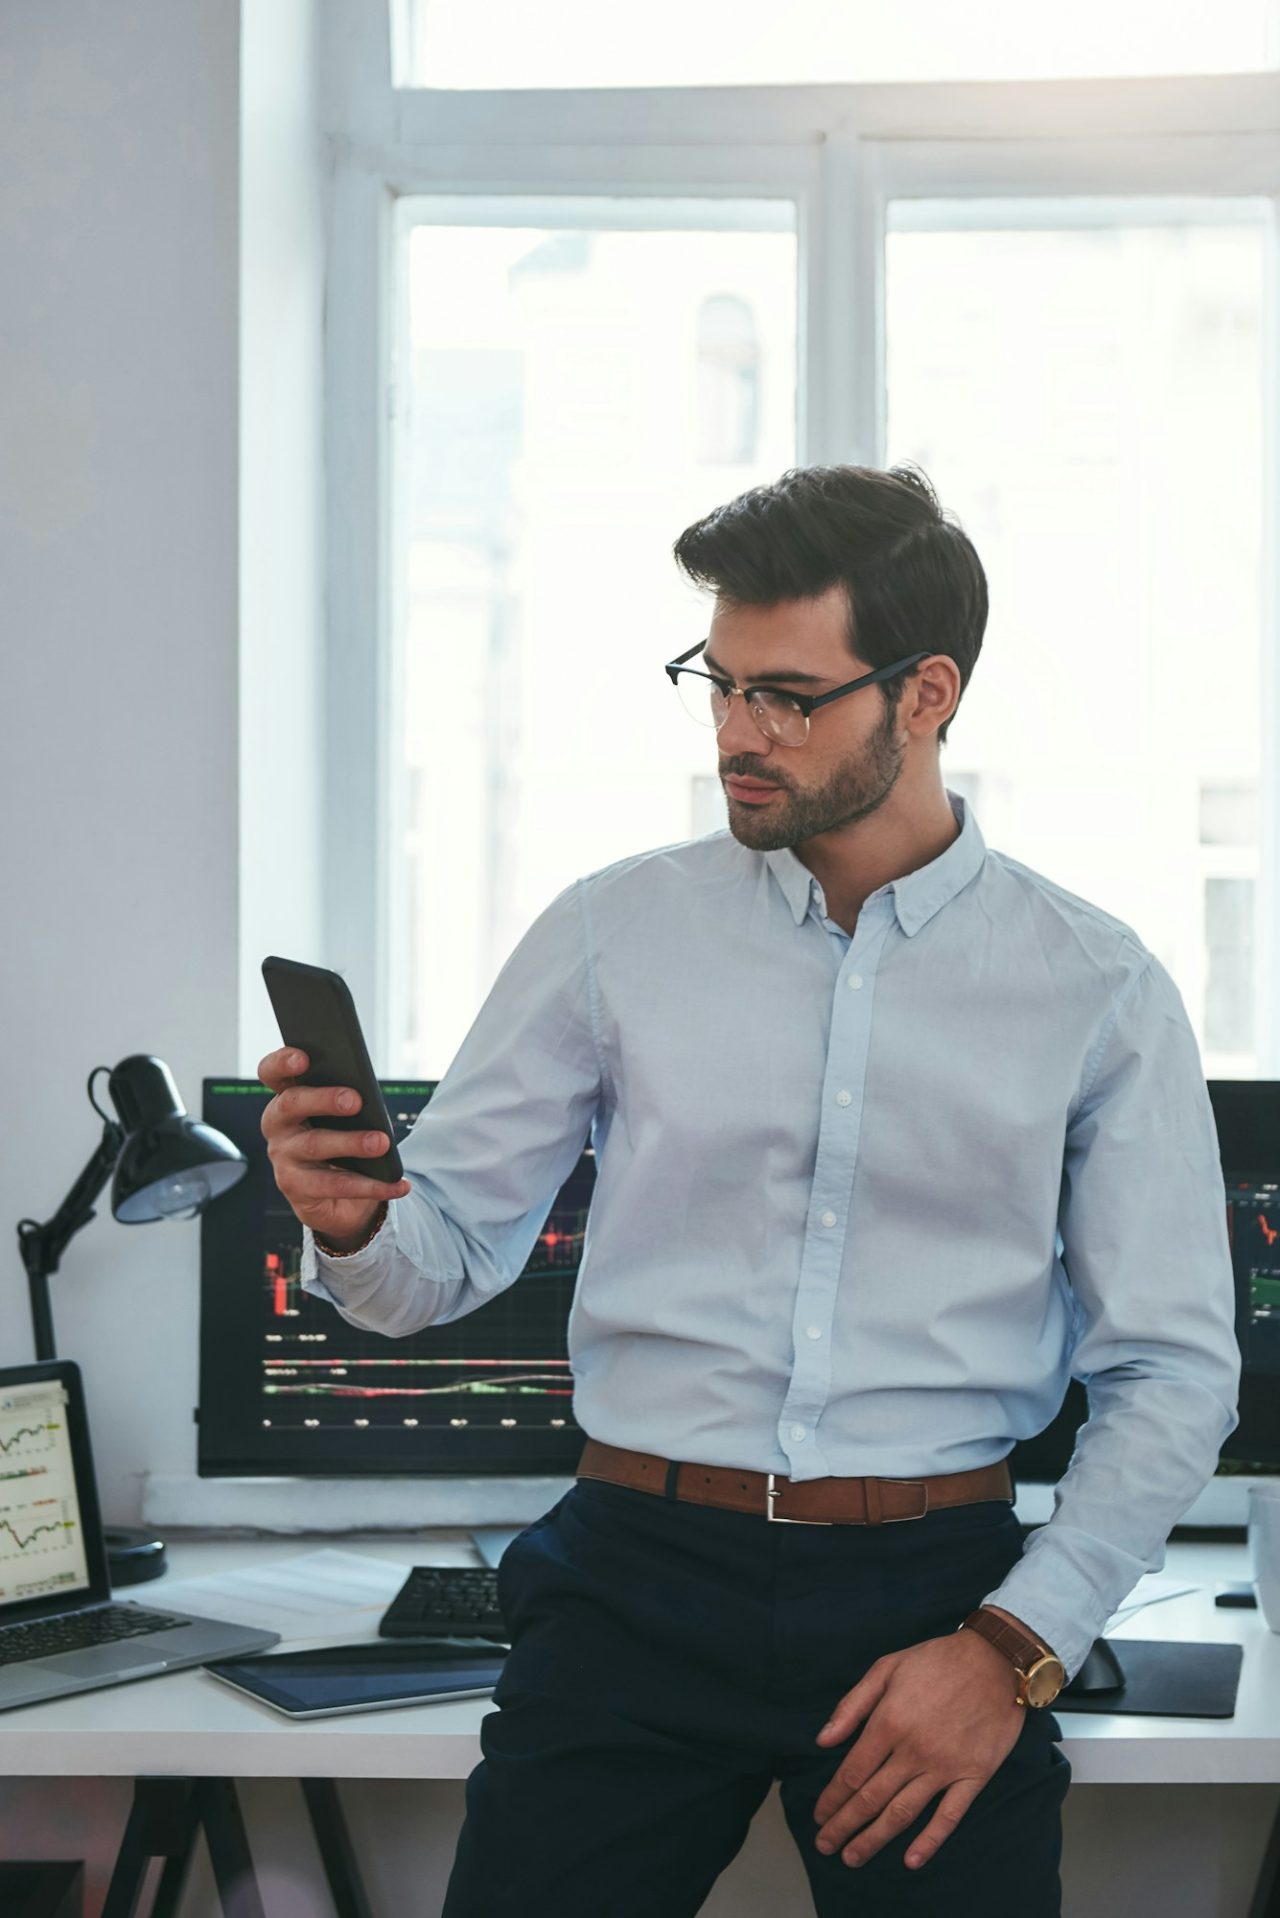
(863, 1204)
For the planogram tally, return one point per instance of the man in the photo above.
(893, 1136)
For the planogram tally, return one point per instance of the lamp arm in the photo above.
(42, 1246)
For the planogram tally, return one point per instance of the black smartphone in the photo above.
(316, 1013)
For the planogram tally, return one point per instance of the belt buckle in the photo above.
(771, 1493)
(903, 1517)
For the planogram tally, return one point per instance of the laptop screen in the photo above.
(42, 1543)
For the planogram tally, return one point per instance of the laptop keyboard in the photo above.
(45, 1637)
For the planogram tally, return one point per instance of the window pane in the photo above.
(556, 440)
(1228, 910)
(507, 43)
(1087, 398)
(1229, 814)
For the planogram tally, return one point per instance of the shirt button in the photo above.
(797, 1431)
(855, 980)
(813, 1331)
(843, 1098)
(828, 1218)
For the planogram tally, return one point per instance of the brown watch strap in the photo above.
(1040, 1671)
(1018, 1646)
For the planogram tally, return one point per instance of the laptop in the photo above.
(60, 1629)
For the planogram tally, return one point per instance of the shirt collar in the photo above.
(917, 895)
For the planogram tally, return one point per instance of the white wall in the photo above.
(118, 606)
(161, 474)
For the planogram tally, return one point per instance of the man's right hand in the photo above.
(338, 1206)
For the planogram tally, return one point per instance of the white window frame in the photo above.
(841, 154)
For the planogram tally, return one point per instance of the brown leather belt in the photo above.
(815, 1501)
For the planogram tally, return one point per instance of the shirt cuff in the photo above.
(341, 1280)
(1066, 1617)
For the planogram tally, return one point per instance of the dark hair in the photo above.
(913, 580)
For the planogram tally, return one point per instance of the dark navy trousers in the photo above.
(670, 1661)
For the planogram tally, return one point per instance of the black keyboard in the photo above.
(74, 1631)
(446, 1601)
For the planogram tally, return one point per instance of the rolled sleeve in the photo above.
(489, 1151)
(1143, 1223)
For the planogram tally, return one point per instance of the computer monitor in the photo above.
(1247, 1115)
(288, 1388)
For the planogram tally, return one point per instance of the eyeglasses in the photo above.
(781, 716)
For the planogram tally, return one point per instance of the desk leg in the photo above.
(173, 1881)
(336, 1852)
(161, 1824)
(1266, 1893)
(218, 1809)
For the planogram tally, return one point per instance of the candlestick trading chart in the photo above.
(288, 1385)
(1253, 1233)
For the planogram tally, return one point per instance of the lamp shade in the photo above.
(170, 1163)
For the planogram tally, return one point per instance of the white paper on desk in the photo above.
(312, 1595)
(1149, 1590)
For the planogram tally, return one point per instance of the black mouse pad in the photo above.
(1167, 1678)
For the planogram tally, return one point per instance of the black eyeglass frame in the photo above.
(808, 703)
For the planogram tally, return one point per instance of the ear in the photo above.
(931, 696)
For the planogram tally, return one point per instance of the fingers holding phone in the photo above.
(337, 1204)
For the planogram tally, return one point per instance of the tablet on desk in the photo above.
(360, 1678)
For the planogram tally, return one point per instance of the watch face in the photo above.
(1045, 1681)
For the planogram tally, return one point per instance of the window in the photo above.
(566, 319)
(1229, 813)
(1228, 1010)
(1234, 993)
(550, 447)
(728, 381)
(504, 43)
(1084, 385)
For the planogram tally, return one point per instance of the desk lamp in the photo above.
(166, 1165)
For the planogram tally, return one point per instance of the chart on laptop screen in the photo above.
(288, 1385)
(41, 1541)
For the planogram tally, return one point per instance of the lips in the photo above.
(750, 788)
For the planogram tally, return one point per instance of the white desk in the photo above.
(186, 1723)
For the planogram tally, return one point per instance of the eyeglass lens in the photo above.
(775, 714)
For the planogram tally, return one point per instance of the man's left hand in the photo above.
(941, 1716)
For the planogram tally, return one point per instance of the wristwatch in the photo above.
(1041, 1673)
